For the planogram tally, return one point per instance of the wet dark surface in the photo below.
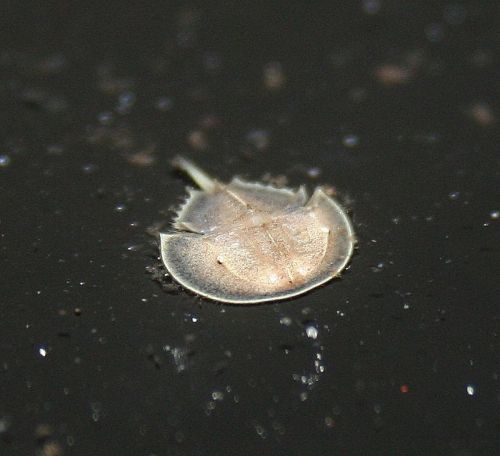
(395, 105)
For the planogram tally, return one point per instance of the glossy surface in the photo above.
(395, 103)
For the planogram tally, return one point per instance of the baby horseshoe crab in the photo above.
(246, 242)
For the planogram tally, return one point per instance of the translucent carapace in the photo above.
(246, 243)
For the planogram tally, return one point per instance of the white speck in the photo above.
(258, 138)
(125, 102)
(325, 229)
(120, 207)
(105, 118)
(217, 395)
(4, 424)
(314, 172)
(164, 103)
(42, 351)
(471, 390)
(287, 321)
(312, 332)
(4, 160)
(378, 267)
(179, 355)
(260, 431)
(89, 168)
(318, 366)
(453, 195)
(350, 140)
(495, 215)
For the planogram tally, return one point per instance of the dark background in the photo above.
(395, 103)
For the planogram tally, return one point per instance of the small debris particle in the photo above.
(274, 76)
(197, 139)
(482, 114)
(392, 74)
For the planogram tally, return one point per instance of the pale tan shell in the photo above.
(246, 243)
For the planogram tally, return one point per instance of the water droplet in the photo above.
(378, 267)
(105, 118)
(210, 405)
(164, 104)
(125, 102)
(329, 422)
(261, 432)
(314, 172)
(4, 161)
(135, 247)
(217, 395)
(4, 424)
(89, 168)
(55, 149)
(318, 366)
(258, 138)
(179, 356)
(312, 332)
(286, 321)
(350, 141)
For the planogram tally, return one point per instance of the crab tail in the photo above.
(202, 179)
